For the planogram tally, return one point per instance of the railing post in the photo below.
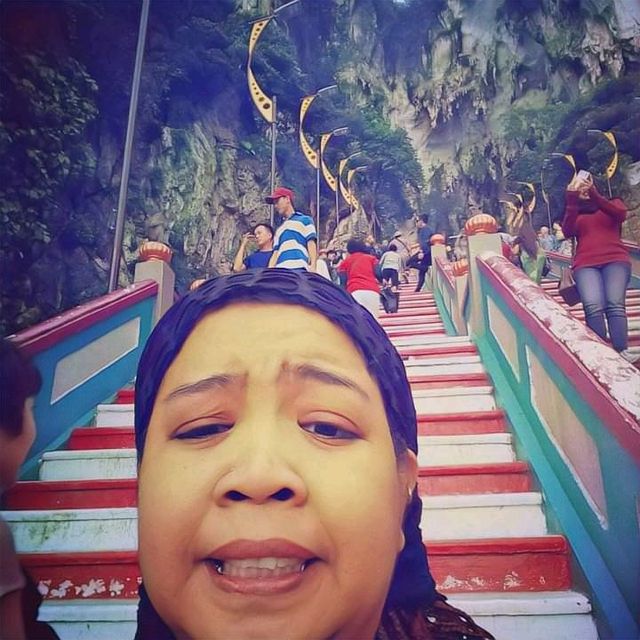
(153, 264)
(481, 230)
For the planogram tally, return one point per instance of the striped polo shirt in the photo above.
(291, 240)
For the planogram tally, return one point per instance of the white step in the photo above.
(423, 341)
(490, 515)
(563, 615)
(443, 366)
(91, 619)
(88, 465)
(550, 615)
(453, 400)
(114, 415)
(74, 530)
(436, 451)
(415, 327)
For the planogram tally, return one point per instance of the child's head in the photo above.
(393, 247)
(263, 400)
(19, 383)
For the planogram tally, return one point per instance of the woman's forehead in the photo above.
(246, 335)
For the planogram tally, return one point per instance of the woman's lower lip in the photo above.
(263, 586)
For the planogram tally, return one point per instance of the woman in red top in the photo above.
(601, 265)
(359, 267)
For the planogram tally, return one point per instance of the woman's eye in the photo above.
(202, 431)
(330, 431)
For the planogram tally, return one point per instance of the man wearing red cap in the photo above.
(295, 244)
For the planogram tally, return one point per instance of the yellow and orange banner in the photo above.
(307, 149)
(263, 103)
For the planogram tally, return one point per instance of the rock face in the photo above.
(453, 101)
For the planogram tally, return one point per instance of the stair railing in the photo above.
(85, 355)
(574, 405)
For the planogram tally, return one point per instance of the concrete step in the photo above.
(458, 566)
(431, 340)
(409, 353)
(439, 451)
(114, 415)
(85, 465)
(96, 494)
(453, 399)
(504, 477)
(461, 423)
(393, 321)
(420, 382)
(424, 330)
(74, 530)
(84, 438)
(451, 365)
(557, 615)
(477, 516)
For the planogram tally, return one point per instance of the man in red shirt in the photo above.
(359, 267)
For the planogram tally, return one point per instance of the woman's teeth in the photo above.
(259, 567)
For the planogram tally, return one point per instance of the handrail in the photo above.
(612, 385)
(47, 333)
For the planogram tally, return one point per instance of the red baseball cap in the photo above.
(279, 193)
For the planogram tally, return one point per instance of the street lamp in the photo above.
(340, 187)
(613, 163)
(312, 156)
(116, 252)
(330, 180)
(266, 106)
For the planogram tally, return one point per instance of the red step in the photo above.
(457, 424)
(403, 333)
(84, 438)
(125, 396)
(502, 477)
(72, 494)
(445, 381)
(436, 350)
(505, 564)
(96, 494)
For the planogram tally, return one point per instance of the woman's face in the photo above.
(270, 498)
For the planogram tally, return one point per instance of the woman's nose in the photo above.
(261, 473)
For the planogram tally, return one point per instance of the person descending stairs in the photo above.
(483, 521)
(550, 285)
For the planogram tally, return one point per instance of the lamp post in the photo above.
(312, 156)
(340, 187)
(321, 165)
(545, 195)
(267, 107)
(613, 163)
(116, 252)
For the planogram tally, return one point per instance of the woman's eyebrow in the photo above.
(313, 372)
(211, 383)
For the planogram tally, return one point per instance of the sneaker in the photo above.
(631, 356)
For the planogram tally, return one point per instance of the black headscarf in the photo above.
(412, 585)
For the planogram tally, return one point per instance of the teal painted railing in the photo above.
(84, 356)
(574, 405)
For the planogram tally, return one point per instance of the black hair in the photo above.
(392, 247)
(355, 245)
(19, 380)
(266, 225)
(425, 218)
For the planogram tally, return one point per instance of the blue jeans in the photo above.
(602, 291)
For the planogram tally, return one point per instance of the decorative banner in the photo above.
(353, 201)
(263, 103)
(307, 149)
(331, 181)
(343, 190)
(613, 165)
(532, 205)
(569, 158)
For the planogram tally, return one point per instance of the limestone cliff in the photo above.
(451, 101)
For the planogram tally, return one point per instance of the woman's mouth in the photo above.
(268, 567)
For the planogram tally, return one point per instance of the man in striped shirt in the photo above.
(295, 244)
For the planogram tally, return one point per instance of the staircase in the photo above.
(483, 520)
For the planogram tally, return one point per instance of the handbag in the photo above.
(567, 288)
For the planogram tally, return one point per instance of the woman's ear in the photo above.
(408, 472)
